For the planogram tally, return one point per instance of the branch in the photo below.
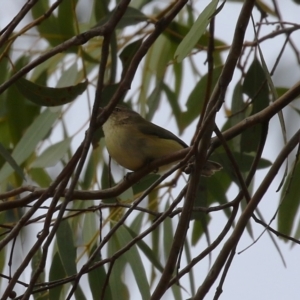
(16, 20)
(78, 40)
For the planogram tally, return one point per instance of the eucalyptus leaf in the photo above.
(134, 259)
(6, 155)
(52, 155)
(290, 201)
(132, 16)
(47, 96)
(33, 135)
(195, 32)
(66, 247)
(56, 272)
(97, 280)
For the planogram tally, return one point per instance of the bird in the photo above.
(134, 142)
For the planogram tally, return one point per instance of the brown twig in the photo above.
(5, 32)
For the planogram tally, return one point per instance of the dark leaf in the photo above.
(132, 16)
(6, 155)
(47, 96)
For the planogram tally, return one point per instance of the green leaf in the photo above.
(47, 96)
(237, 105)
(6, 155)
(40, 176)
(66, 248)
(144, 183)
(133, 258)
(52, 155)
(196, 98)
(128, 52)
(55, 29)
(34, 265)
(90, 170)
(168, 234)
(126, 196)
(290, 201)
(155, 66)
(116, 277)
(67, 253)
(132, 16)
(147, 251)
(20, 113)
(65, 17)
(196, 31)
(33, 135)
(68, 76)
(154, 100)
(256, 87)
(244, 162)
(173, 100)
(89, 226)
(56, 272)
(97, 279)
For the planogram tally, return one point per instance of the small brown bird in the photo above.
(133, 141)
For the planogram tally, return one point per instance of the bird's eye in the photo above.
(117, 109)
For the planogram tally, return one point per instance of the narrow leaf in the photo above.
(97, 281)
(33, 135)
(135, 261)
(6, 155)
(196, 31)
(66, 248)
(52, 155)
(147, 251)
(56, 272)
(290, 201)
(132, 16)
(47, 96)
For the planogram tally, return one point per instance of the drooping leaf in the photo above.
(133, 258)
(168, 234)
(243, 160)
(144, 183)
(195, 32)
(47, 96)
(196, 99)
(40, 176)
(52, 155)
(116, 276)
(67, 253)
(97, 279)
(256, 87)
(150, 254)
(33, 135)
(66, 247)
(8, 158)
(56, 272)
(132, 16)
(34, 265)
(154, 100)
(18, 108)
(55, 29)
(290, 201)
(156, 63)
(128, 52)
(90, 171)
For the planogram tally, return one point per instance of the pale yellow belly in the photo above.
(130, 149)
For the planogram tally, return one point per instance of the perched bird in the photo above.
(133, 141)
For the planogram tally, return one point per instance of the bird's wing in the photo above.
(152, 129)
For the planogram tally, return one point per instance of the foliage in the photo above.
(81, 230)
